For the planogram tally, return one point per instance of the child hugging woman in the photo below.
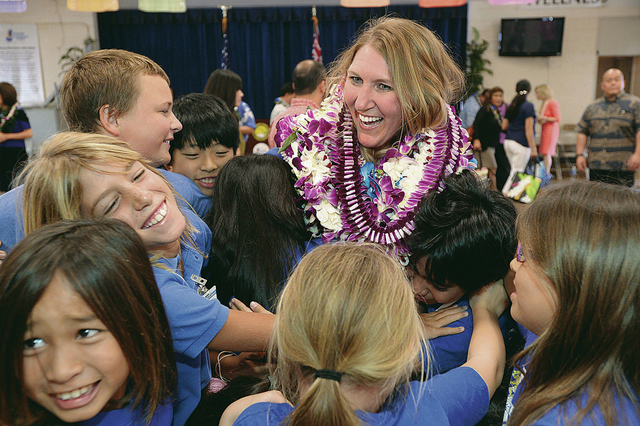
(347, 340)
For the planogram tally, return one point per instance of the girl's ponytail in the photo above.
(522, 90)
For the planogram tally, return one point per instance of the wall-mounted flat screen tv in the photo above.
(531, 37)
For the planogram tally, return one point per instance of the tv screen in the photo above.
(531, 37)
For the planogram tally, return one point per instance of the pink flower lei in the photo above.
(347, 199)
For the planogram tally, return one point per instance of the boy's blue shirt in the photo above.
(451, 351)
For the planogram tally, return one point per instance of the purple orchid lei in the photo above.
(345, 198)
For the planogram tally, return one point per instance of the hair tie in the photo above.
(522, 92)
(328, 374)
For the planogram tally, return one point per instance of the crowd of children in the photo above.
(114, 291)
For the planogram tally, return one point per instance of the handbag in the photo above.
(525, 186)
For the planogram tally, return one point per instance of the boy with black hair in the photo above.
(464, 239)
(207, 141)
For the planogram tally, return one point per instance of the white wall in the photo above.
(58, 29)
(589, 26)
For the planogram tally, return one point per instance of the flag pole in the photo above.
(316, 50)
(225, 41)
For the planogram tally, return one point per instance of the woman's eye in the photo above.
(138, 175)
(355, 80)
(34, 343)
(87, 332)
(385, 87)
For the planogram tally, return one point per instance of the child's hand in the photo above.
(492, 297)
(435, 323)
(3, 254)
(254, 307)
(230, 366)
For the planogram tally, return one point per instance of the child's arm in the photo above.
(486, 350)
(244, 331)
(234, 410)
(436, 322)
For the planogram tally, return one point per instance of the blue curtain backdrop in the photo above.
(265, 44)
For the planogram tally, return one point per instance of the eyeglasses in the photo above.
(520, 254)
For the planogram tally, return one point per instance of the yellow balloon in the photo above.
(261, 132)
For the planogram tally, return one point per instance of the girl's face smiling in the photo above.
(137, 196)
(370, 95)
(73, 366)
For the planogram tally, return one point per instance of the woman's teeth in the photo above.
(160, 214)
(370, 120)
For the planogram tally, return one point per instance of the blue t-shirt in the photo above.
(470, 108)
(452, 351)
(12, 229)
(459, 398)
(188, 190)
(126, 417)
(194, 320)
(246, 117)
(516, 130)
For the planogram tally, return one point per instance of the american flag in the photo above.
(225, 40)
(316, 50)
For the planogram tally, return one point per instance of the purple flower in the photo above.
(297, 162)
(321, 126)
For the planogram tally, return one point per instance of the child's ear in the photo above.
(236, 152)
(169, 166)
(109, 121)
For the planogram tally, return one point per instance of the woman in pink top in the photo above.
(549, 118)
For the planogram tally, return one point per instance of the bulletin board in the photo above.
(20, 62)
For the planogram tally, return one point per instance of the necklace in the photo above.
(8, 120)
(345, 197)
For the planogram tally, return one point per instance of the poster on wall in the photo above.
(20, 62)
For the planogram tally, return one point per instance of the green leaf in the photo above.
(288, 141)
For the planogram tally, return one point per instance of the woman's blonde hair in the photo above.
(52, 187)
(423, 74)
(347, 308)
(544, 91)
(584, 239)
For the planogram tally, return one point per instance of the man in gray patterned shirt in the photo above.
(612, 126)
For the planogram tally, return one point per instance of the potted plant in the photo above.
(476, 63)
(74, 53)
